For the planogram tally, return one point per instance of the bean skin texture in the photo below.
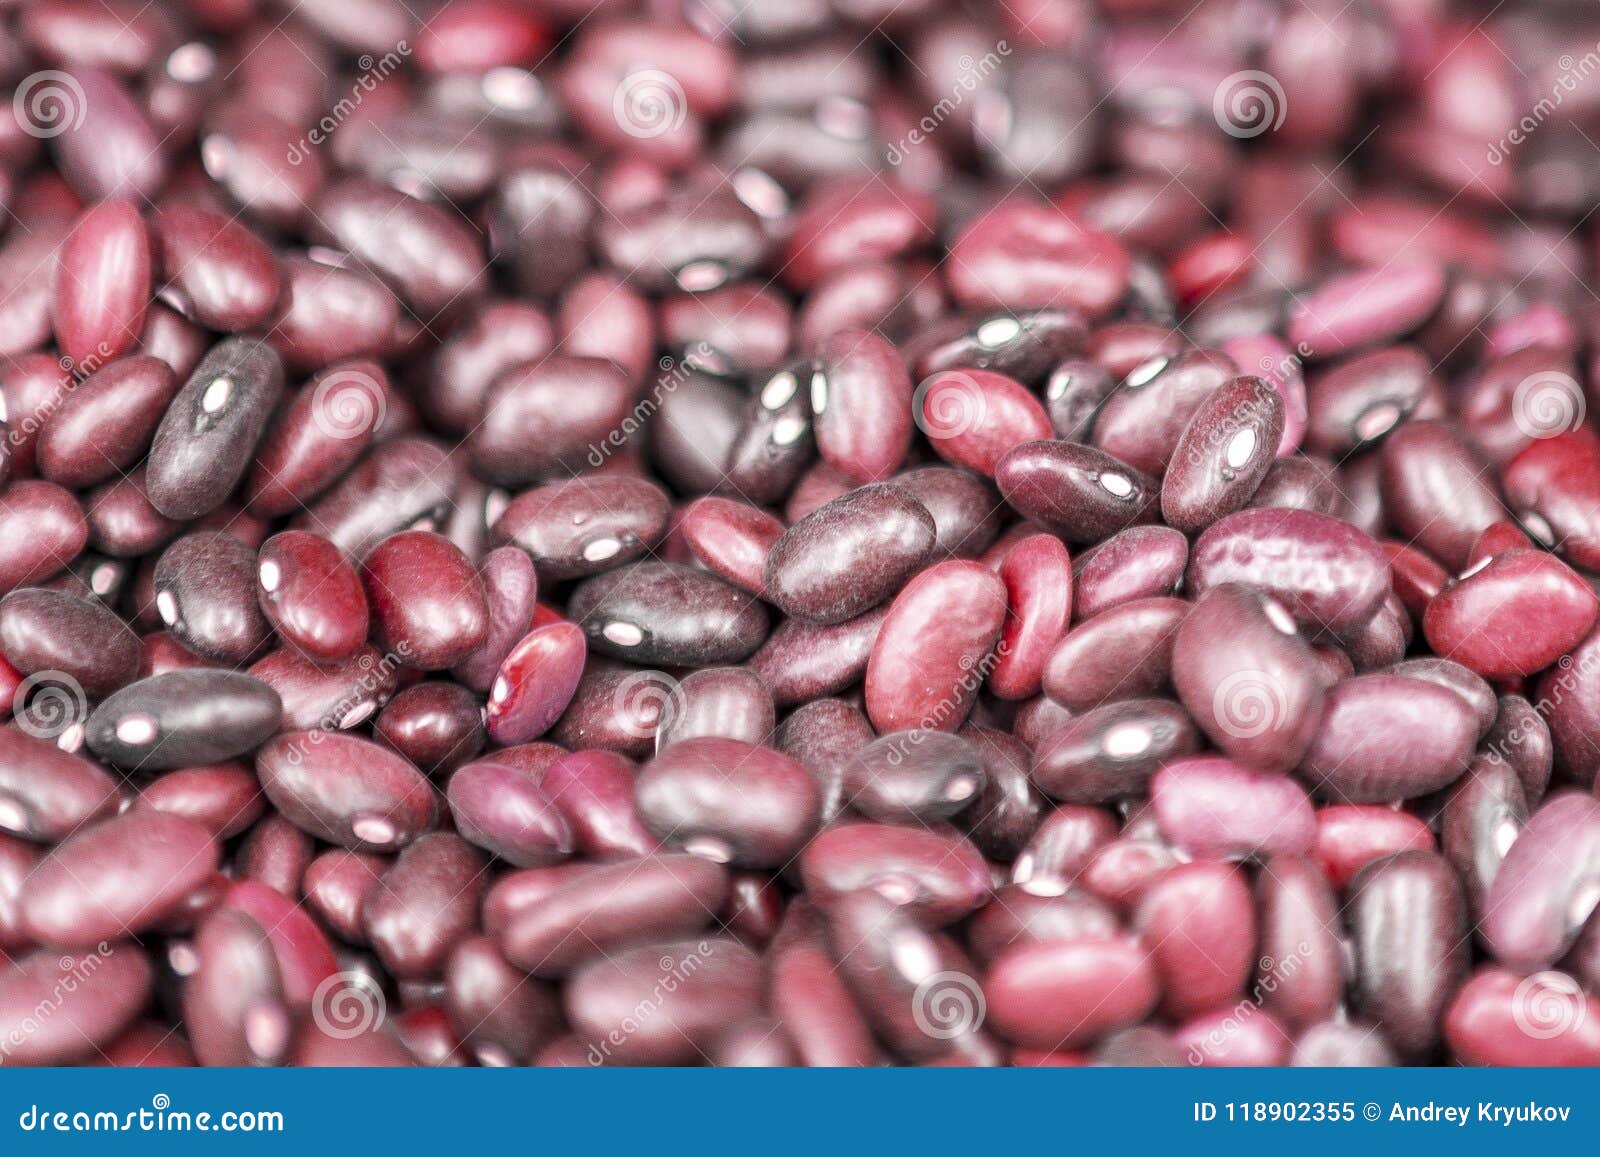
(1386, 737)
(428, 603)
(659, 612)
(1469, 620)
(346, 790)
(183, 718)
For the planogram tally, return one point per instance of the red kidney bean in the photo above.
(1351, 836)
(731, 539)
(1408, 925)
(43, 631)
(346, 790)
(1447, 673)
(1022, 255)
(333, 696)
(98, 308)
(1300, 975)
(810, 999)
(1199, 921)
(823, 735)
(910, 681)
(850, 555)
(1007, 812)
(1521, 738)
(730, 702)
(913, 777)
(45, 792)
(327, 312)
(226, 277)
(105, 424)
(1552, 486)
(311, 595)
(502, 809)
(43, 529)
(511, 586)
(1123, 653)
(1358, 401)
(1481, 818)
(305, 959)
(1545, 890)
(593, 790)
(94, 995)
(535, 683)
(424, 904)
(438, 269)
(205, 586)
(1017, 916)
(233, 1000)
(1037, 573)
(686, 239)
(800, 661)
(606, 907)
(584, 526)
(116, 878)
(1111, 752)
(860, 397)
(223, 798)
(428, 603)
(1367, 307)
(1064, 843)
(204, 443)
(1324, 572)
(934, 872)
(437, 726)
(773, 444)
(183, 718)
(1247, 677)
(336, 884)
(276, 853)
(657, 612)
(1140, 562)
(1468, 620)
(1500, 1018)
(323, 430)
(728, 801)
(1069, 993)
(718, 982)
(1072, 395)
(1214, 807)
(502, 1016)
(973, 417)
(1078, 492)
(963, 506)
(104, 144)
(1386, 737)
(1223, 454)
(1435, 492)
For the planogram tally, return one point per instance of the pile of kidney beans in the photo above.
(825, 532)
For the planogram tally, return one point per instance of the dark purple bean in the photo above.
(335, 696)
(1077, 491)
(329, 312)
(346, 790)
(548, 419)
(437, 726)
(850, 555)
(1247, 677)
(585, 525)
(321, 432)
(1301, 482)
(1111, 752)
(205, 442)
(774, 443)
(1140, 424)
(503, 1016)
(1408, 922)
(205, 586)
(117, 878)
(1389, 737)
(913, 777)
(716, 981)
(49, 631)
(933, 872)
(729, 801)
(1326, 573)
(1481, 818)
(1548, 884)
(799, 662)
(1006, 813)
(424, 905)
(1122, 653)
(1063, 844)
(658, 612)
(502, 809)
(964, 508)
(183, 718)
(1521, 737)
(687, 240)
(823, 735)
(1223, 454)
